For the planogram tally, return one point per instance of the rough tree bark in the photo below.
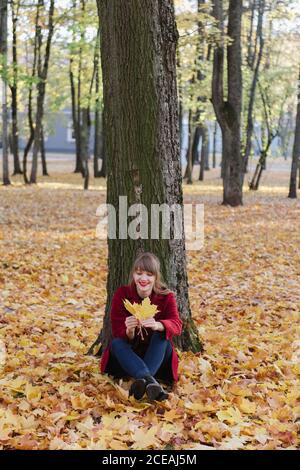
(228, 111)
(141, 130)
(296, 150)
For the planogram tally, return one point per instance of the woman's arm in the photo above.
(171, 320)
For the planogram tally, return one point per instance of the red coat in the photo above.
(167, 315)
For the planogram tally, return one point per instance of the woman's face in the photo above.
(144, 281)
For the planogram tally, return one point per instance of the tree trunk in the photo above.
(215, 144)
(189, 155)
(85, 139)
(254, 183)
(97, 143)
(142, 140)
(204, 151)
(41, 93)
(43, 153)
(252, 57)
(78, 164)
(15, 7)
(285, 134)
(196, 139)
(30, 110)
(229, 112)
(3, 52)
(103, 171)
(296, 151)
(98, 125)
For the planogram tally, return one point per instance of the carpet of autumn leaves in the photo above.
(241, 393)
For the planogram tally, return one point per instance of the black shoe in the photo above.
(154, 390)
(138, 388)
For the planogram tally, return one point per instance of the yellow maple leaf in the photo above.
(145, 439)
(246, 406)
(33, 394)
(143, 310)
(231, 415)
(81, 402)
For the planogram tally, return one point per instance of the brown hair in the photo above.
(149, 262)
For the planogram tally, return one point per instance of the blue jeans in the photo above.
(158, 354)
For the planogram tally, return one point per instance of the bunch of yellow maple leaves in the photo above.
(141, 311)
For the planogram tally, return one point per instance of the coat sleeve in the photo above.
(118, 314)
(170, 318)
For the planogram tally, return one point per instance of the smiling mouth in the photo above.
(143, 284)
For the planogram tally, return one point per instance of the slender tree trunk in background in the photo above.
(228, 111)
(43, 153)
(15, 8)
(103, 171)
(254, 61)
(78, 131)
(98, 136)
(78, 165)
(284, 133)
(254, 183)
(268, 134)
(30, 107)
(180, 119)
(85, 139)
(202, 156)
(75, 99)
(97, 143)
(37, 134)
(142, 140)
(189, 154)
(206, 148)
(41, 87)
(296, 150)
(204, 163)
(180, 105)
(3, 51)
(215, 144)
(188, 148)
(201, 100)
(196, 140)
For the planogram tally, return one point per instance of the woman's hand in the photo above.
(153, 324)
(131, 323)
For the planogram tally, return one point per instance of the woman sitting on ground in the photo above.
(143, 349)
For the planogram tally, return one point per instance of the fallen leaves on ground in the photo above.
(241, 393)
